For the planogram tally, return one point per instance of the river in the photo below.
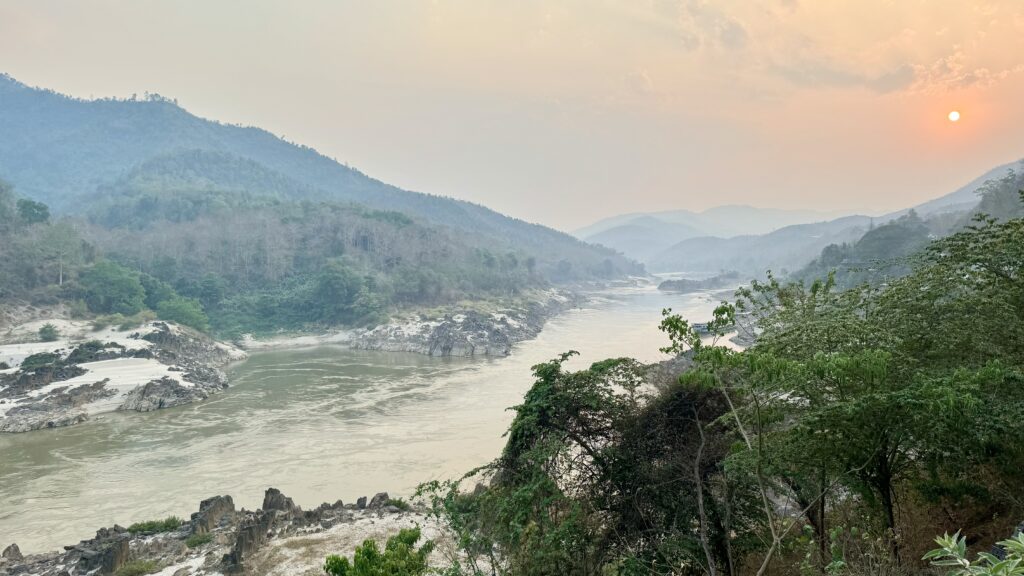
(320, 424)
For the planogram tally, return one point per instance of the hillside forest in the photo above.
(862, 424)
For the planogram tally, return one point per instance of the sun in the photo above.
(954, 116)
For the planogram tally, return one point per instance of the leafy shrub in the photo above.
(952, 553)
(184, 311)
(136, 320)
(78, 309)
(156, 526)
(48, 333)
(399, 503)
(123, 322)
(137, 568)
(85, 352)
(197, 540)
(103, 322)
(38, 361)
(399, 558)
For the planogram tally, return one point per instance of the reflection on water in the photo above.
(320, 424)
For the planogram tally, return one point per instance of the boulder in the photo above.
(252, 535)
(275, 500)
(361, 502)
(379, 500)
(212, 512)
(163, 393)
(12, 552)
(107, 558)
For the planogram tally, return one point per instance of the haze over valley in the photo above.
(503, 289)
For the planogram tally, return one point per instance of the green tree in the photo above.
(31, 212)
(111, 288)
(157, 291)
(335, 291)
(184, 311)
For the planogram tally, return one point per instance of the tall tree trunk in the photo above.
(699, 484)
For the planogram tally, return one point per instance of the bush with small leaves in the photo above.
(399, 503)
(40, 361)
(197, 540)
(137, 568)
(48, 333)
(168, 524)
(399, 558)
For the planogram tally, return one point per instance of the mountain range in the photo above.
(74, 154)
(752, 240)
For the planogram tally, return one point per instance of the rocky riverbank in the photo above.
(279, 539)
(455, 331)
(86, 372)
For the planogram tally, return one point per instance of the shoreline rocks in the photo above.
(158, 365)
(222, 540)
(459, 332)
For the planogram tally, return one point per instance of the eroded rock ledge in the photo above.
(456, 332)
(466, 333)
(278, 538)
(158, 365)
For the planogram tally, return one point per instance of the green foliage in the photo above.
(399, 503)
(137, 568)
(169, 524)
(78, 309)
(184, 311)
(111, 288)
(197, 540)
(599, 473)
(39, 361)
(87, 351)
(49, 333)
(122, 322)
(400, 557)
(31, 212)
(157, 291)
(952, 554)
(848, 403)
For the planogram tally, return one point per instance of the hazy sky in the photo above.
(565, 111)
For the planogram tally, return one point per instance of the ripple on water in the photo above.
(320, 424)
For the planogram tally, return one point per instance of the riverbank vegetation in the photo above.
(235, 228)
(234, 262)
(860, 425)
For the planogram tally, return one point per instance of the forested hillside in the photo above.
(245, 263)
(75, 154)
(887, 251)
(861, 425)
(238, 229)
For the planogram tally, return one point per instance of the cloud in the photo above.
(876, 45)
(832, 75)
(952, 72)
(640, 82)
(701, 24)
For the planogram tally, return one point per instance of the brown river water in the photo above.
(319, 423)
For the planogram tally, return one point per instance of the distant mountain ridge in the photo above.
(644, 236)
(64, 151)
(782, 250)
(724, 221)
(735, 237)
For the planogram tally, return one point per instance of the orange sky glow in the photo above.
(565, 111)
